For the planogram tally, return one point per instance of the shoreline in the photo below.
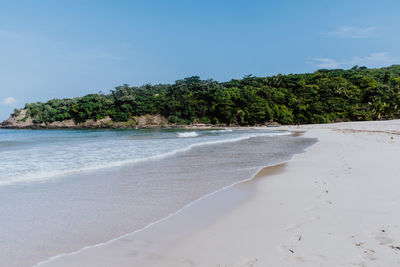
(24, 122)
(333, 205)
(92, 207)
(222, 194)
(170, 220)
(152, 127)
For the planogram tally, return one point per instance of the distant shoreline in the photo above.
(22, 121)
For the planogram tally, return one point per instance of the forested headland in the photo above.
(324, 96)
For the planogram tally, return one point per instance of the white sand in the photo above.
(338, 204)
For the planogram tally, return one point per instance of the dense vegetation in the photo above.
(320, 97)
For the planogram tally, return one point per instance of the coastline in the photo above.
(178, 223)
(86, 208)
(333, 205)
(24, 122)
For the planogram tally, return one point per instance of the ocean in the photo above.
(61, 190)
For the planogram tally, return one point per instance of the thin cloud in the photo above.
(9, 101)
(326, 63)
(372, 60)
(354, 32)
(375, 58)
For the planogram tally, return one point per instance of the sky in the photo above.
(57, 49)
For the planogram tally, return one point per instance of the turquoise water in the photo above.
(61, 190)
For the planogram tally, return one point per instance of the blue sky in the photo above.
(55, 49)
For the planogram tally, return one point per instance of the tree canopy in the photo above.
(320, 97)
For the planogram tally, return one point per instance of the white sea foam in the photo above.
(187, 134)
(221, 131)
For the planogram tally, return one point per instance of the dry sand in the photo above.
(338, 204)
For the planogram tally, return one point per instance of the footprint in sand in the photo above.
(395, 247)
(383, 239)
(290, 228)
(249, 263)
(369, 254)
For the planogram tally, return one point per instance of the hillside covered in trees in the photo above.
(320, 97)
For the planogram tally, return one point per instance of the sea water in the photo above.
(61, 190)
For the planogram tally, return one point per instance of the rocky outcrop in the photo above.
(24, 121)
(18, 121)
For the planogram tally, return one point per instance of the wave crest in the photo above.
(187, 134)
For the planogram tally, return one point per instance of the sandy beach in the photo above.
(337, 204)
